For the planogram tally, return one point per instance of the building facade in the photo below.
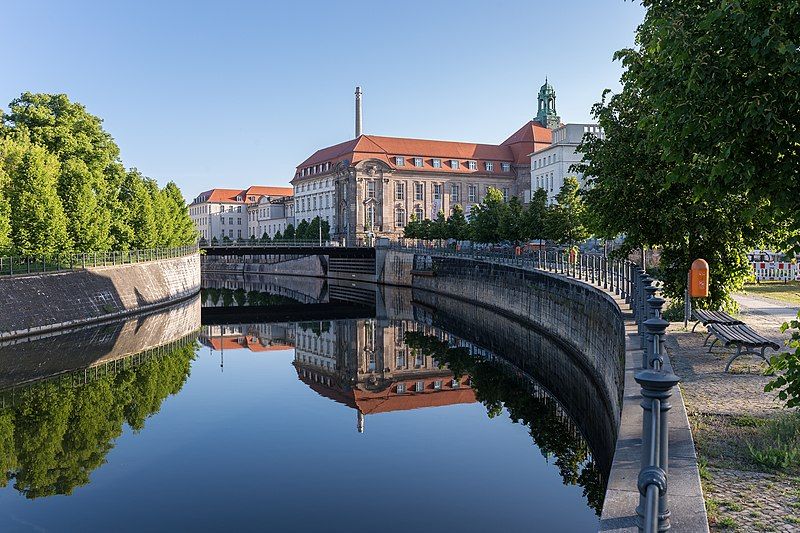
(270, 215)
(223, 213)
(550, 165)
(372, 185)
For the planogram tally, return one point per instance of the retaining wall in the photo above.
(586, 321)
(39, 303)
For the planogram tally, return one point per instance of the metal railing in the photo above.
(11, 266)
(271, 244)
(632, 284)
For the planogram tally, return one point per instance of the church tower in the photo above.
(547, 107)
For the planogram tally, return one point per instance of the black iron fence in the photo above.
(632, 284)
(11, 266)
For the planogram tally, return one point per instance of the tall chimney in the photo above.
(358, 112)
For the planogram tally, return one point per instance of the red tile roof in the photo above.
(529, 138)
(229, 195)
(526, 140)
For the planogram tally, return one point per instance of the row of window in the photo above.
(542, 161)
(230, 221)
(419, 386)
(316, 169)
(454, 164)
(545, 181)
(419, 192)
(310, 203)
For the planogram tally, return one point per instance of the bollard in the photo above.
(653, 511)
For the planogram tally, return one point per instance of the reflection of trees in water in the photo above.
(54, 434)
(240, 297)
(496, 388)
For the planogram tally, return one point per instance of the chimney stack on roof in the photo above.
(358, 112)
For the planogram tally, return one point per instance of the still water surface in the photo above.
(357, 424)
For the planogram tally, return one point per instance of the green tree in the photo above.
(719, 80)
(90, 167)
(486, 218)
(439, 227)
(301, 234)
(566, 218)
(411, 230)
(5, 205)
(88, 223)
(279, 237)
(183, 229)
(458, 227)
(626, 170)
(288, 233)
(140, 213)
(38, 222)
(535, 225)
(512, 222)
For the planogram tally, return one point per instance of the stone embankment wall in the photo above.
(34, 304)
(36, 357)
(587, 322)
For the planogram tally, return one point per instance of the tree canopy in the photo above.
(63, 187)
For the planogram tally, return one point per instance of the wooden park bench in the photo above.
(744, 338)
(707, 318)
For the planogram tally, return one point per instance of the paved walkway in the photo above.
(726, 411)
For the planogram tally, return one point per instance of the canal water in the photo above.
(265, 404)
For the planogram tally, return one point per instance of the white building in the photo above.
(221, 213)
(270, 215)
(315, 198)
(550, 165)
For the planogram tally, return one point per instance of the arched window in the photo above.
(419, 214)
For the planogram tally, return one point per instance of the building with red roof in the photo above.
(371, 185)
(223, 213)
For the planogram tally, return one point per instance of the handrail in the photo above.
(19, 265)
(631, 283)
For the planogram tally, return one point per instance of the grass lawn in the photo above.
(777, 290)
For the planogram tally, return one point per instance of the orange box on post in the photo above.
(698, 279)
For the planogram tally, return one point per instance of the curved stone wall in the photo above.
(39, 303)
(585, 320)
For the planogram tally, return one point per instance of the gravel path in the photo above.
(727, 410)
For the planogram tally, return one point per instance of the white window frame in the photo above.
(437, 163)
(417, 161)
(400, 161)
(472, 165)
(490, 166)
(454, 164)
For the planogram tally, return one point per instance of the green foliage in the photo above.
(302, 230)
(779, 446)
(629, 167)
(786, 367)
(457, 224)
(565, 220)
(719, 79)
(289, 233)
(486, 218)
(54, 434)
(38, 222)
(70, 158)
(536, 216)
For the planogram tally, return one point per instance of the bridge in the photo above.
(243, 249)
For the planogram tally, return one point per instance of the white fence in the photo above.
(776, 271)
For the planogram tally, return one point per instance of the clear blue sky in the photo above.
(228, 94)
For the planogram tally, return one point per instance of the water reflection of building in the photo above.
(254, 337)
(369, 368)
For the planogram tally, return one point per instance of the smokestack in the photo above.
(358, 111)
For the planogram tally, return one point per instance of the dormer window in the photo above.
(472, 165)
(239, 198)
(489, 166)
(506, 167)
(437, 163)
(417, 161)
(454, 164)
(399, 161)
